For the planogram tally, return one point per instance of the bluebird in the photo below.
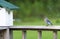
(47, 21)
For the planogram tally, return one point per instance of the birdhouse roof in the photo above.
(8, 5)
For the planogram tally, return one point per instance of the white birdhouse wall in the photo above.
(10, 18)
(5, 18)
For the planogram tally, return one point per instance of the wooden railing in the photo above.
(6, 32)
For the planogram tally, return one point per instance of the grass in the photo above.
(29, 23)
(34, 34)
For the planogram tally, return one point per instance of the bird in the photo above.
(47, 21)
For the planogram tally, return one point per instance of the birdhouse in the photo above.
(6, 13)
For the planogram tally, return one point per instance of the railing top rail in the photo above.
(35, 27)
(3, 27)
(31, 27)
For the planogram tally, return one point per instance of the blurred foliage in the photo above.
(35, 8)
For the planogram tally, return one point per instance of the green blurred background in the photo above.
(30, 11)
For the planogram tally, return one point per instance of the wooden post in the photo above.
(54, 34)
(23, 34)
(11, 34)
(39, 34)
(1, 34)
(7, 34)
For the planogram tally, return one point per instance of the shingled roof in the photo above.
(8, 5)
